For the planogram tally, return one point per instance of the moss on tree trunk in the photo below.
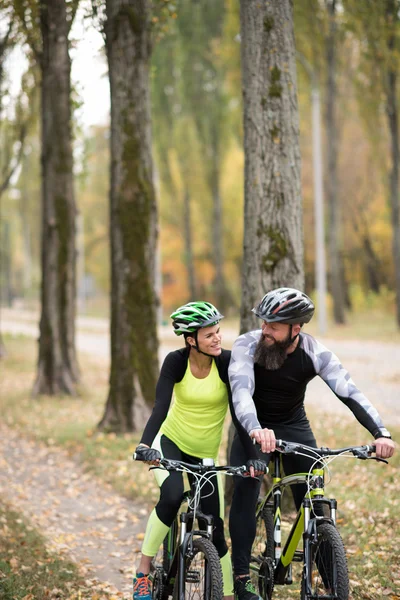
(133, 215)
(273, 233)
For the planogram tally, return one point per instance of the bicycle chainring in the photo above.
(266, 578)
(158, 583)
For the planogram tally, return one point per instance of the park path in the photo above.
(374, 366)
(80, 516)
(101, 530)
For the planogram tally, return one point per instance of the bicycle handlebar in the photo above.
(362, 452)
(178, 465)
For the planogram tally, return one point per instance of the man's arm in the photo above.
(328, 367)
(241, 379)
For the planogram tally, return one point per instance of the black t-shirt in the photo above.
(279, 395)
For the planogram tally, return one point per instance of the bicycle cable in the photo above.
(325, 461)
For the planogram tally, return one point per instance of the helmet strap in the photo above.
(294, 338)
(196, 347)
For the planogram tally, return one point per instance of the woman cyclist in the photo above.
(190, 430)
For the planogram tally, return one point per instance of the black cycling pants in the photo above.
(242, 521)
(171, 492)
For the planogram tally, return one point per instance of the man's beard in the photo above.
(272, 357)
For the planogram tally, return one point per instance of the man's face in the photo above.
(274, 343)
(275, 332)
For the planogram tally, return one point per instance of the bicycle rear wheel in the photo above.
(328, 569)
(262, 552)
(203, 574)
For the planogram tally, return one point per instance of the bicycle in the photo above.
(188, 566)
(324, 570)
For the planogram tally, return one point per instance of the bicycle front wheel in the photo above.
(328, 573)
(262, 552)
(203, 574)
(162, 565)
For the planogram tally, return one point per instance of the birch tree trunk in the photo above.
(334, 229)
(273, 232)
(57, 364)
(133, 213)
(392, 18)
(220, 286)
(187, 232)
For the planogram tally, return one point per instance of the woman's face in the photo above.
(209, 340)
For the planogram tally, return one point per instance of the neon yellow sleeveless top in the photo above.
(195, 420)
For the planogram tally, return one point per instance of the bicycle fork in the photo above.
(303, 526)
(185, 540)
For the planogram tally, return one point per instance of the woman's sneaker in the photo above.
(245, 590)
(141, 587)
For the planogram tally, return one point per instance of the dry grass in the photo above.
(368, 493)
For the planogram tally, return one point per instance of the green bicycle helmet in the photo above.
(193, 316)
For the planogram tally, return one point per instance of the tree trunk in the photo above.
(187, 231)
(222, 295)
(334, 230)
(393, 124)
(26, 236)
(57, 365)
(133, 214)
(273, 233)
(5, 250)
(373, 266)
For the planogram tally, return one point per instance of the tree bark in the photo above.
(187, 230)
(334, 229)
(273, 232)
(221, 292)
(57, 365)
(393, 124)
(133, 214)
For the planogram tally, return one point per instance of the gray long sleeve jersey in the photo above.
(262, 398)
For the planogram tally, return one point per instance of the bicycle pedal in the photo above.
(192, 576)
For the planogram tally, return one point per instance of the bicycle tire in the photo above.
(203, 573)
(329, 543)
(262, 552)
(161, 588)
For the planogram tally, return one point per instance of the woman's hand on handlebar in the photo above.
(147, 455)
(266, 439)
(256, 467)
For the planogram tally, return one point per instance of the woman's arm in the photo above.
(172, 371)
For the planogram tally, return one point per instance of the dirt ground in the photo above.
(103, 531)
(79, 515)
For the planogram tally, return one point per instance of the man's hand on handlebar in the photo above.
(147, 455)
(384, 447)
(266, 439)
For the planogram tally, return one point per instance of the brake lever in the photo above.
(378, 459)
(363, 456)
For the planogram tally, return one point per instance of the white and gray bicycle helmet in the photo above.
(285, 305)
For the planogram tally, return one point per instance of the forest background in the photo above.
(203, 133)
(198, 150)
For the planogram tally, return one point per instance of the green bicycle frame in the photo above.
(284, 558)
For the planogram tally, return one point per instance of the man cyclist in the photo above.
(268, 373)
